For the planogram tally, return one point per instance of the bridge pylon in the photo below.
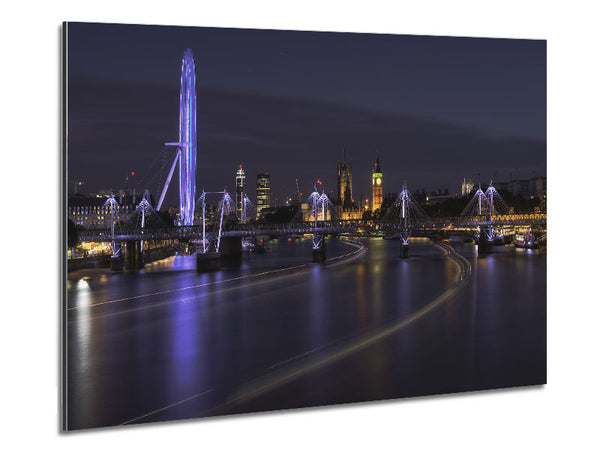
(321, 207)
(485, 206)
(219, 249)
(116, 259)
(402, 217)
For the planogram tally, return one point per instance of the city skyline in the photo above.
(298, 127)
(227, 305)
(284, 192)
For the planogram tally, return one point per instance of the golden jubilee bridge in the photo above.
(484, 219)
(357, 227)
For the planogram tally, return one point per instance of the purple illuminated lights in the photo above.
(187, 139)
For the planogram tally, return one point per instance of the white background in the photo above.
(564, 413)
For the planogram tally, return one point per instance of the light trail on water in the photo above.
(288, 375)
(288, 271)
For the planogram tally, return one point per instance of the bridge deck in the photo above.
(355, 227)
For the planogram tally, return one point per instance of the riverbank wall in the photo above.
(103, 261)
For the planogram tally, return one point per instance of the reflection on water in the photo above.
(149, 344)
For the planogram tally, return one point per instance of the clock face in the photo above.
(378, 181)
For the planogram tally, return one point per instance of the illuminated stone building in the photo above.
(90, 212)
(537, 187)
(466, 187)
(308, 213)
(519, 188)
(377, 179)
(347, 210)
(344, 180)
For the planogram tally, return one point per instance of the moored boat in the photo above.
(526, 240)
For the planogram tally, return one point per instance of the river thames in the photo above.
(281, 332)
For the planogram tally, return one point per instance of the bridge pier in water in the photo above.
(404, 250)
(319, 254)
(231, 251)
(485, 246)
(116, 263)
(206, 262)
(229, 254)
(485, 243)
(134, 255)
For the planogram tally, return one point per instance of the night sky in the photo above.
(437, 109)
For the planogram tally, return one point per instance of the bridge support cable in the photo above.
(484, 207)
(202, 199)
(320, 204)
(245, 204)
(144, 207)
(476, 205)
(403, 216)
(226, 202)
(114, 206)
(168, 181)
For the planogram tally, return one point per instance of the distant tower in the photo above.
(466, 187)
(240, 187)
(344, 179)
(263, 192)
(377, 185)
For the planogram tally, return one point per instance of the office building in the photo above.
(263, 193)
(240, 191)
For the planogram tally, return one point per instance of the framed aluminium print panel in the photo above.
(259, 220)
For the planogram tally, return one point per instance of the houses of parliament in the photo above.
(347, 207)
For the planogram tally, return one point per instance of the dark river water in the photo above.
(282, 332)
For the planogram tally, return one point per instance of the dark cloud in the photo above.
(436, 108)
(116, 126)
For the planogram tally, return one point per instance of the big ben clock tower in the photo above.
(377, 185)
